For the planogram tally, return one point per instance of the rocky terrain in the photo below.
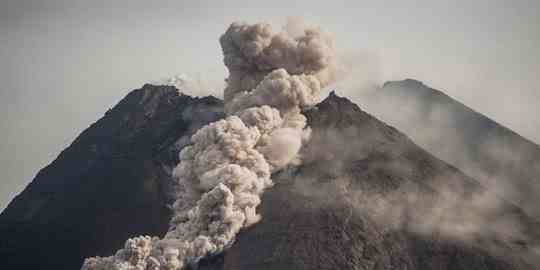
(366, 197)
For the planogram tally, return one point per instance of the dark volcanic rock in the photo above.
(112, 183)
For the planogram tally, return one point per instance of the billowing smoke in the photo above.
(251, 52)
(222, 174)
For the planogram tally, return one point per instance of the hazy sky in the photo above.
(63, 63)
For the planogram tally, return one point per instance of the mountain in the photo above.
(318, 215)
(109, 184)
(365, 197)
(501, 159)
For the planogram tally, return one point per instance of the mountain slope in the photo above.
(491, 153)
(110, 184)
(360, 200)
(323, 214)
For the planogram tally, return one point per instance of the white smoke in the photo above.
(197, 85)
(179, 81)
(227, 167)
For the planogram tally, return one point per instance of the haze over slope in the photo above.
(501, 159)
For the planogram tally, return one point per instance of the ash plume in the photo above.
(227, 167)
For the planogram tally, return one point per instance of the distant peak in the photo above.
(406, 82)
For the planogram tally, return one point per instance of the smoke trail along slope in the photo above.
(222, 175)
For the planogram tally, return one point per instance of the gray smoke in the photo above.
(253, 51)
(227, 166)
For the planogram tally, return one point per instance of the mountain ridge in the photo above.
(484, 149)
(413, 84)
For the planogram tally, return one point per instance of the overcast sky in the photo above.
(64, 63)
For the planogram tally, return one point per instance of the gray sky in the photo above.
(63, 63)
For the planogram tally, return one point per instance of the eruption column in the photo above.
(227, 167)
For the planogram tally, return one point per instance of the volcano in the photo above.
(365, 197)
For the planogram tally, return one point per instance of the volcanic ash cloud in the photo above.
(226, 168)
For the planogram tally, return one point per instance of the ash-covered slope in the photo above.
(491, 153)
(111, 183)
(365, 197)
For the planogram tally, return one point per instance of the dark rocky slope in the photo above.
(109, 184)
(112, 183)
